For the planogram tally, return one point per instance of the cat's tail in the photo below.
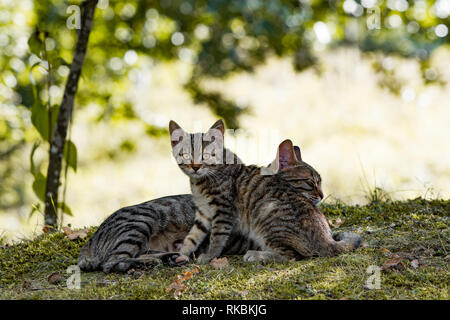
(350, 240)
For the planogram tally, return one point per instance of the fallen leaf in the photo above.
(179, 284)
(75, 234)
(46, 229)
(386, 251)
(219, 263)
(396, 261)
(55, 278)
(187, 275)
(415, 263)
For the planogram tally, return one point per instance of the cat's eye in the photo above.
(206, 156)
(186, 156)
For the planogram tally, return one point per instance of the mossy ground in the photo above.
(416, 230)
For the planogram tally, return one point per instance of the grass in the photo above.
(416, 230)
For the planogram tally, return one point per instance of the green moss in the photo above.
(415, 230)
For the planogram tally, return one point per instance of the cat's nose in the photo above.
(319, 191)
(195, 167)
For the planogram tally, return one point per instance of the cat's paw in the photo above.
(204, 258)
(252, 256)
(181, 259)
(263, 256)
(352, 238)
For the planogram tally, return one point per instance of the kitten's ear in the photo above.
(178, 136)
(218, 125)
(286, 156)
(297, 153)
(173, 126)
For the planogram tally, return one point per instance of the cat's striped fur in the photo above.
(152, 232)
(267, 209)
(147, 234)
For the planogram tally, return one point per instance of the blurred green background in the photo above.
(361, 86)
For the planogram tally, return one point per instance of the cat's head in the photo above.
(199, 154)
(300, 175)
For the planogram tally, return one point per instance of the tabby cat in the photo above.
(152, 232)
(267, 209)
(147, 234)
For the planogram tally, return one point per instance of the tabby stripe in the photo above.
(193, 241)
(128, 241)
(131, 227)
(220, 212)
(147, 224)
(201, 226)
(227, 222)
(219, 203)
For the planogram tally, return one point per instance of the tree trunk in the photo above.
(56, 152)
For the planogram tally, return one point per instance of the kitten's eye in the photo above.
(186, 156)
(206, 156)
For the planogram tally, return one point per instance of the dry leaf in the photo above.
(46, 229)
(384, 250)
(179, 284)
(396, 261)
(75, 234)
(415, 263)
(55, 278)
(187, 275)
(219, 263)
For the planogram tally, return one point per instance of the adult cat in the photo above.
(266, 209)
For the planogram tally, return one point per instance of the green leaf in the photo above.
(33, 169)
(35, 208)
(70, 155)
(35, 43)
(39, 119)
(39, 185)
(39, 112)
(65, 208)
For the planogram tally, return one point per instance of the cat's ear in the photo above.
(286, 156)
(176, 133)
(218, 125)
(298, 153)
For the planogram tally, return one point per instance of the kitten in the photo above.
(267, 209)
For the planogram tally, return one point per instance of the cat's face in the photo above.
(300, 175)
(198, 154)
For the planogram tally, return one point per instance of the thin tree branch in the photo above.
(65, 112)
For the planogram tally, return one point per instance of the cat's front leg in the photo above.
(196, 235)
(222, 225)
